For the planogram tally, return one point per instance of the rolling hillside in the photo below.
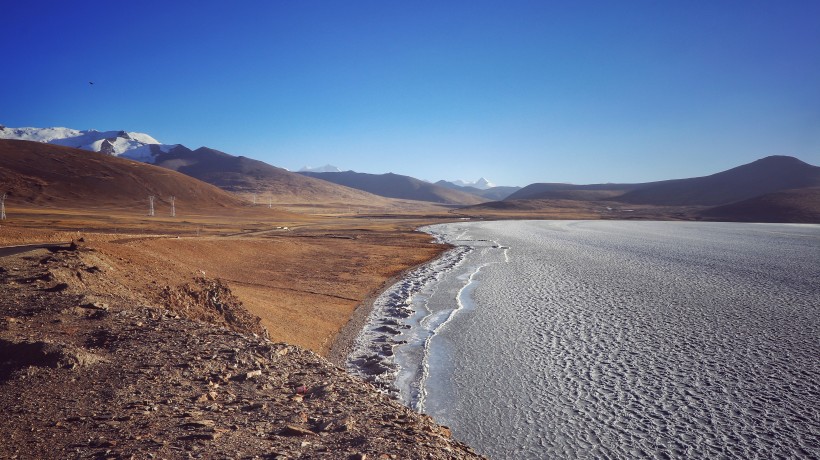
(241, 174)
(229, 172)
(46, 174)
(767, 175)
(772, 189)
(398, 186)
(797, 205)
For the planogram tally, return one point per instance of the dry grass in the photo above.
(304, 282)
(304, 287)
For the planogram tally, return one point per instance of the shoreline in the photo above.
(391, 316)
(344, 340)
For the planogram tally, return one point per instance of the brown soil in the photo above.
(303, 285)
(303, 276)
(90, 368)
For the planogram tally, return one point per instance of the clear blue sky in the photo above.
(518, 92)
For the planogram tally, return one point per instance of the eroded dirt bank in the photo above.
(94, 368)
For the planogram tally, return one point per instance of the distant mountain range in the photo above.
(776, 188)
(229, 172)
(398, 186)
(241, 174)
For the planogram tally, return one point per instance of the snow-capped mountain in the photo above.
(481, 183)
(135, 146)
(320, 169)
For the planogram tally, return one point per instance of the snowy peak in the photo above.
(320, 169)
(135, 146)
(481, 183)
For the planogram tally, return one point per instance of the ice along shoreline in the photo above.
(394, 348)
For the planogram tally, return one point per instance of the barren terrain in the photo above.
(90, 368)
(119, 348)
(302, 278)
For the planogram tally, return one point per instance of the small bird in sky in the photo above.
(91, 83)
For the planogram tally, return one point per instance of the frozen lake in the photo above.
(557, 339)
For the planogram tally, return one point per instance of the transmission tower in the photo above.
(270, 202)
(3, 207)
(254, 198)
(151, 205)
(173, 207)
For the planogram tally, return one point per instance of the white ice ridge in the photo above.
(463, 301)
(394, 349)
(372, 357)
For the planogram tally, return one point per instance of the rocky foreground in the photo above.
(90, 370)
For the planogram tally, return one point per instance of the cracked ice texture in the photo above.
(631, 340)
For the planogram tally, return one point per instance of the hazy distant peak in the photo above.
(481, 183)
(325, 168)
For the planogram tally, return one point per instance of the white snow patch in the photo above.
(481, 183)
(325, 168)
(133, 145)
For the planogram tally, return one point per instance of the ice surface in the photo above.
(620, 340)
(389, 325)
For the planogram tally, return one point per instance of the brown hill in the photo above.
(397, 186)
(767, 175)
(46, 174)
(241, 174)
(558, 191)
(772, 189)
(800, 205)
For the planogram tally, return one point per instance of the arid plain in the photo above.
(303, 275)
(108, 324)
